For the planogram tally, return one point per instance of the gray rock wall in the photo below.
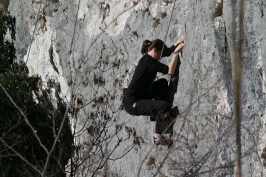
(86, 51)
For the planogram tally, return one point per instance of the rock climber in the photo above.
(145, 96)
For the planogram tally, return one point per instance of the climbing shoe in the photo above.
(163, 141)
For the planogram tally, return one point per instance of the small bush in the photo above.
(161, 175)
(151, 161)
(218, 10)
(156, 22)
(163, 14)
(5, 4)
(263, 156)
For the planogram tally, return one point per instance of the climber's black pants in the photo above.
(147, 107)
(157, 104)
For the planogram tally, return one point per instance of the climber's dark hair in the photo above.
(148, 45)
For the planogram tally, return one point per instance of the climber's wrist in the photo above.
(172, 48)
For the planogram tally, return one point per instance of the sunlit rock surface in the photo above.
(86, 51)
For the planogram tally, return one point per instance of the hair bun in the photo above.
(145, 46)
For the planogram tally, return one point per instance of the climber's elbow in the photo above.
(170, 72)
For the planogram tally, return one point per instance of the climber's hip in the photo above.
(130, 102)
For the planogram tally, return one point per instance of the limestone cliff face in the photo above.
(86, 51)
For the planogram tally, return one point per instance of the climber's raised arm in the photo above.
(178, 46)
(180, 40)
